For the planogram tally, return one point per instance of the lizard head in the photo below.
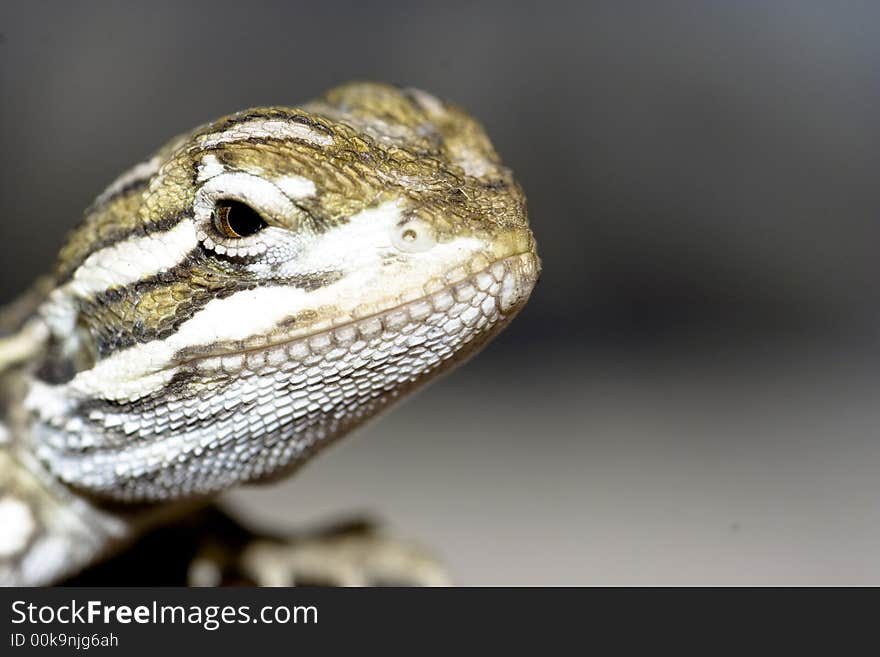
(269, 281)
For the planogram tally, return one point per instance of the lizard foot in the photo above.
(352, 554)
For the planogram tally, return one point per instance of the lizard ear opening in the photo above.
(64, 359)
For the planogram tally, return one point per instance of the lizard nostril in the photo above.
(414, 236)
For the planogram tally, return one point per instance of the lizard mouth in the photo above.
(450, 316)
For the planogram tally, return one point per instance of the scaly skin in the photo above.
(246, 296)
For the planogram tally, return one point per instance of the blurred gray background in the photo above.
(690, 397)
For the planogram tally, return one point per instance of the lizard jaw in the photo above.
(293, 398)
(469, 306)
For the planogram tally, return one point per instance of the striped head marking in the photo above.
(267, 282)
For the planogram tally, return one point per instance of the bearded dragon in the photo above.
(252, 292)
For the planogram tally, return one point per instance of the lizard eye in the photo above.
(234, 219)
(239, 215)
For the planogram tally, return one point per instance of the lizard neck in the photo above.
(51, 530)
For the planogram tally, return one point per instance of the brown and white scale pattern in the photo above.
(374, 239)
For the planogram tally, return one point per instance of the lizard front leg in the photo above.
(211, 548)
(355, 553)
(47, 532)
